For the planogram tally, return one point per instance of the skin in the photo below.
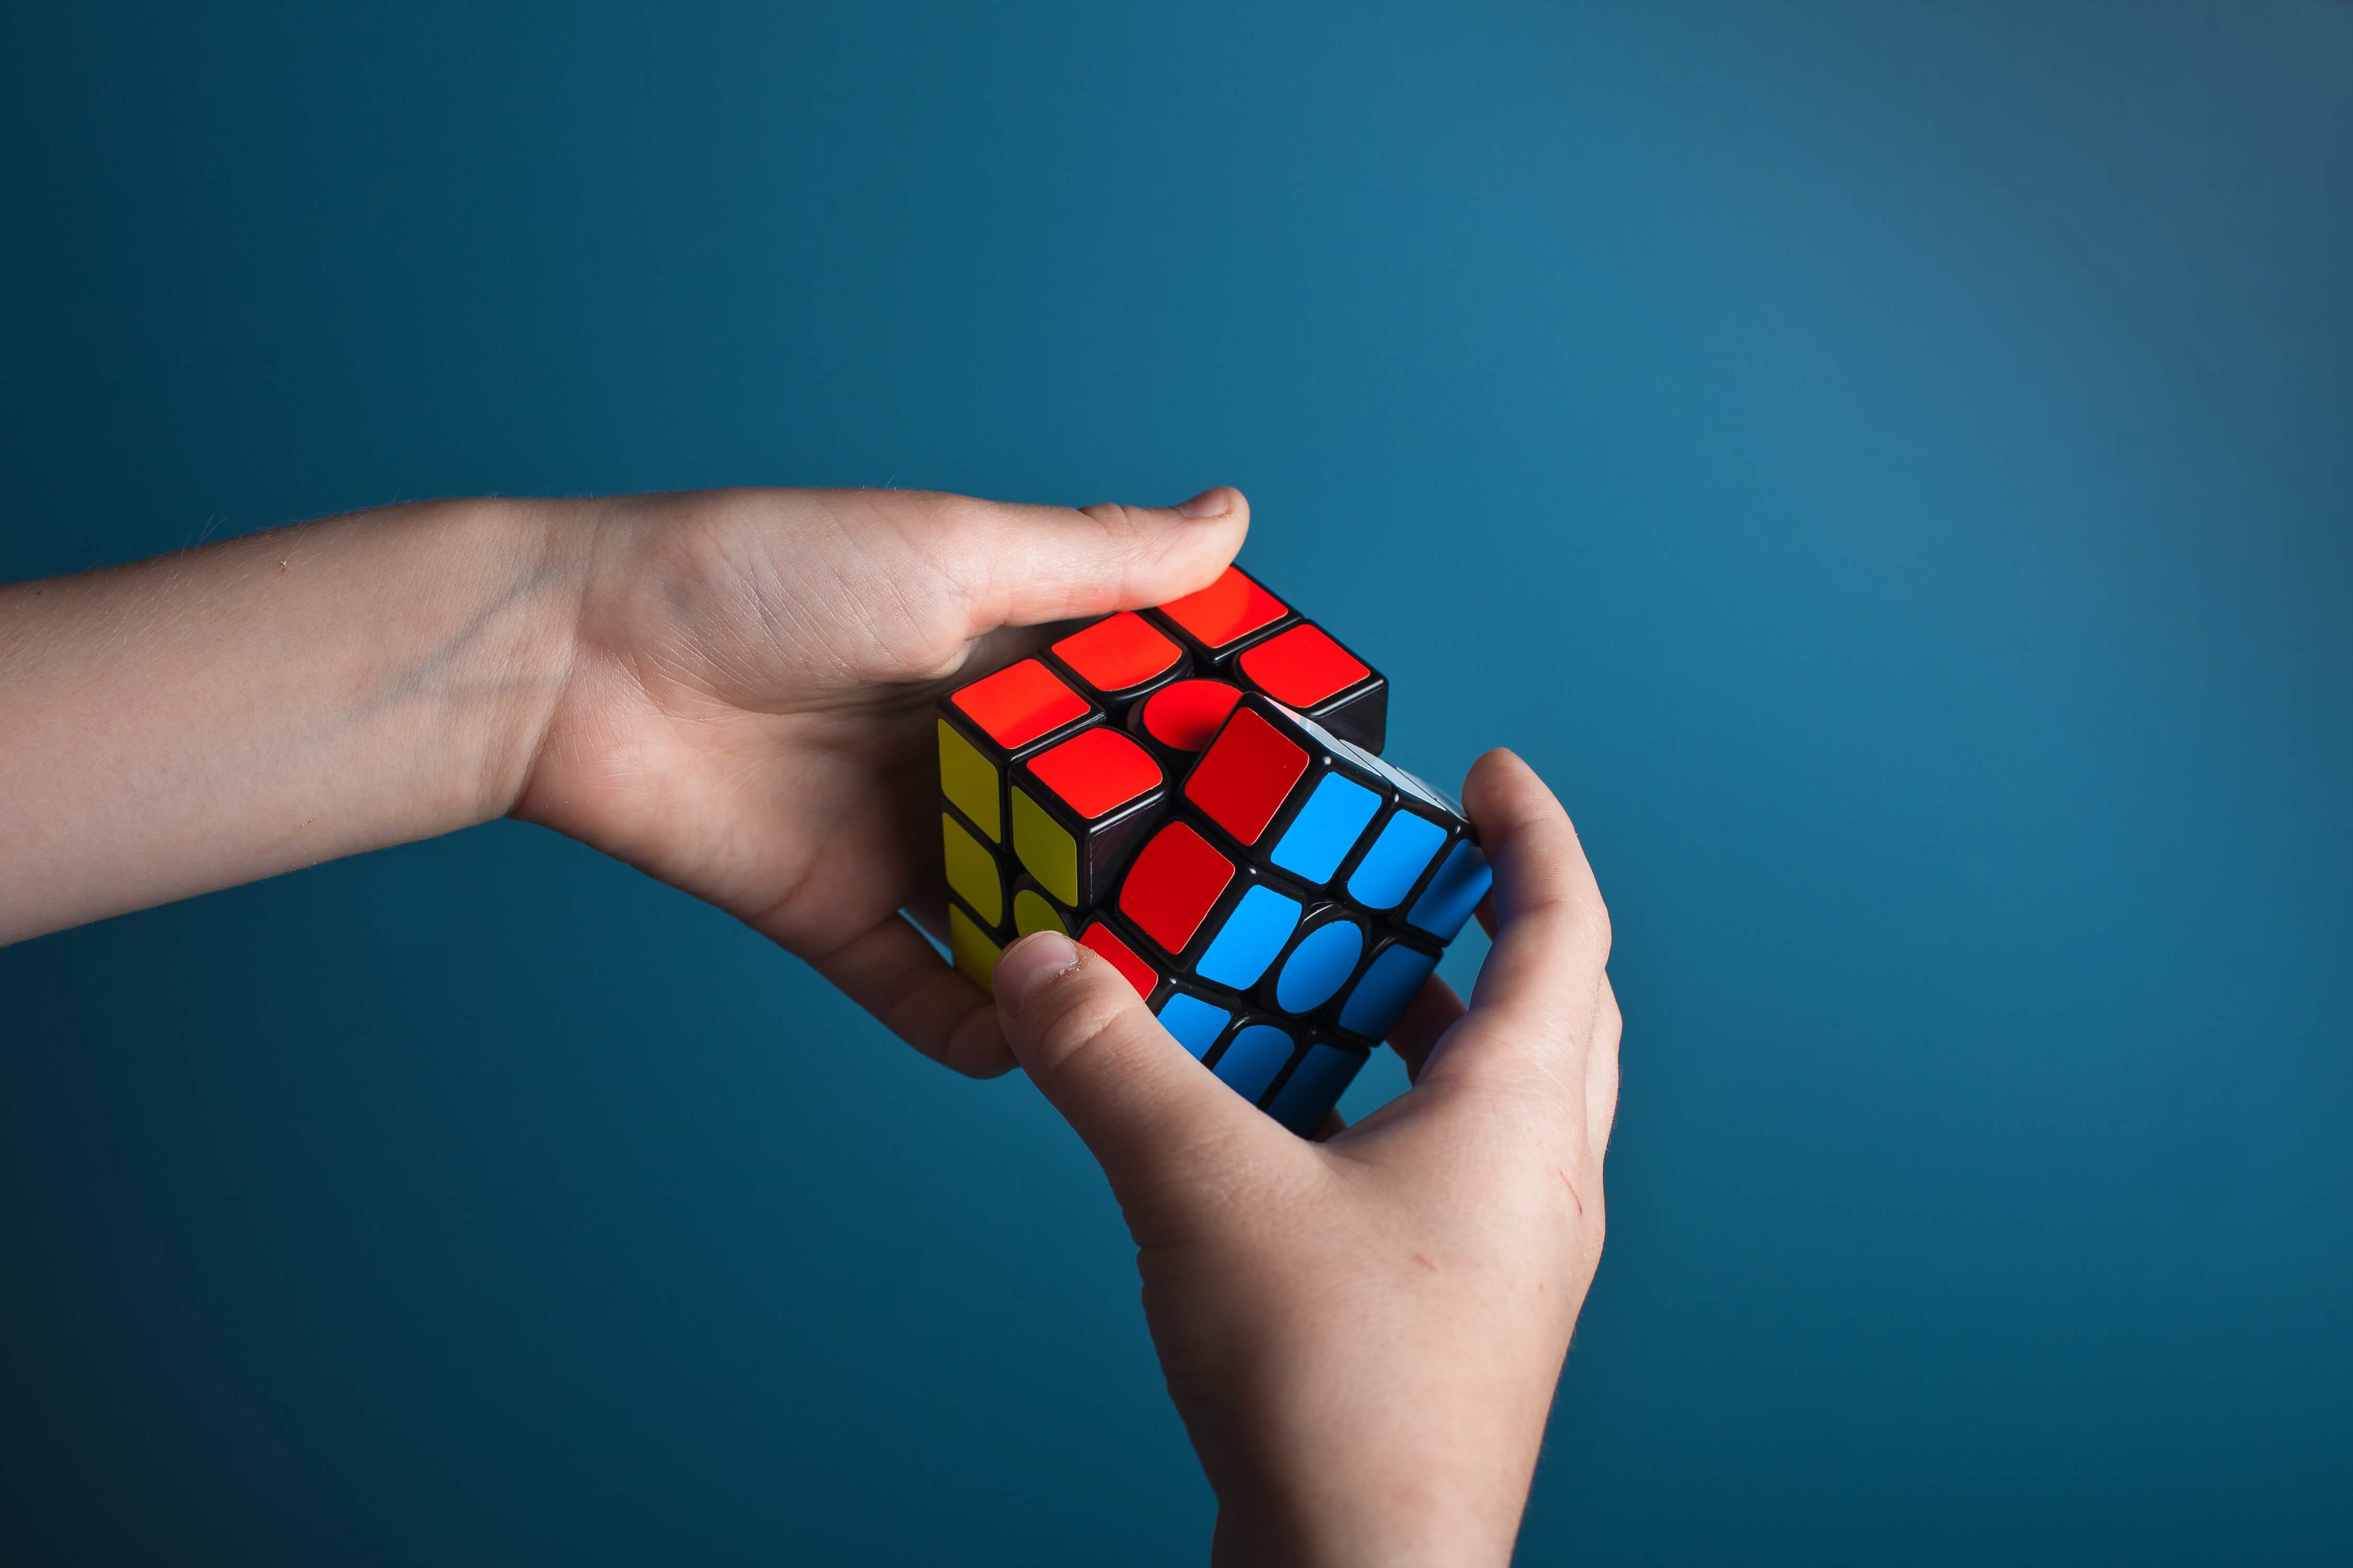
(732, 691)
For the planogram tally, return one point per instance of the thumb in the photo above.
(1021, 566)
(1134, 1096)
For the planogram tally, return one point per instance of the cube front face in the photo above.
(1194, 792)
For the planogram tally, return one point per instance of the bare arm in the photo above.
(729, 690)
(268, 703)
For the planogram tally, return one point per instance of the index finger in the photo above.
(1538, 988)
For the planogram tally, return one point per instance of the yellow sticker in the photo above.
(1033, 912)
(969, 781)
(973, 872)
(974, 953)
(1045, 849)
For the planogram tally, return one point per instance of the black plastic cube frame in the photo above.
(1104, 842)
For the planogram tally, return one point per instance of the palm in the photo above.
(753, 720)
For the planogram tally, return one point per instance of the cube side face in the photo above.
(1197, 1016)
(1453, 890)
(976, 873)
(971, 781)
(1177, 881)
(1318, 962)
(1120, 949)
(971, 948)
(1320, 1074)
(1253, 1055)
(1383, 988)
(1329, 820)
(1035, 911)
(1396, 856)
(1246, 774)
(1247, 935)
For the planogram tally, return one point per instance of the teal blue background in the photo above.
(1888, 466)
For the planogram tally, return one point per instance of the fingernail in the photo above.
(1210, 503)
(1030, 963)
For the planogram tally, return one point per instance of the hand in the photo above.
(731, 689)
(748, 714)
(1363, 1333)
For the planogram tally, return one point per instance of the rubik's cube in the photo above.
(1196, 791)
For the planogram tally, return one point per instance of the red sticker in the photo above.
(1232, 607)
(1119, 652)
(1173, 885)
(1105, 941)
(1188, 714)
(1019, 703)
(1096, 770)
(1302, 667)
(1241, 779)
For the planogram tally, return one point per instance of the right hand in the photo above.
(1363, 1333)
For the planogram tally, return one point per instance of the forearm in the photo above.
(209, 718)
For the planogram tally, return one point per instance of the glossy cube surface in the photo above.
(1196, 791)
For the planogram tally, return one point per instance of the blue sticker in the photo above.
(1453, 893)
(1319, 966)
(1326, 829)
(1314, 1087)
(1196, 1024)
(1250, 939)
(1380, 997)
(1250, 1062)
(1395, 862)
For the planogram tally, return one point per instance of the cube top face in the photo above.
(1243, 780)
(1185, 717)
(1301, 667)
(1019, 704)
(1118, 653)
(1097, 771)
(1225, 612)
(1176, 878)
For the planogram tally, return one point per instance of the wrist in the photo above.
(547, 555)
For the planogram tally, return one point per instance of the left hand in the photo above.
(748, 712)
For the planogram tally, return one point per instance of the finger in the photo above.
(1138, 1098)
(1022, 565)
(1333, 1125)
(1536, 989)
(892, 972)
(1428, 1017)
(1601, 1069)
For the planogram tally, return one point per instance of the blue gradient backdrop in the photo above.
(1909, 450)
